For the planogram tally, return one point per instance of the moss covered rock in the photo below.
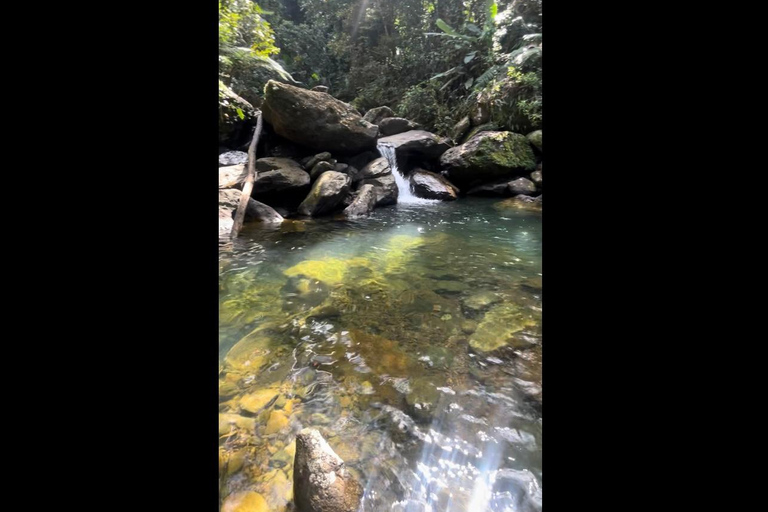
(535, 139)
(489, 156)
(326, 195)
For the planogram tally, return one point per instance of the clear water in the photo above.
(404, 193)
(374, 332)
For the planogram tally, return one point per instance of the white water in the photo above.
(404, 193)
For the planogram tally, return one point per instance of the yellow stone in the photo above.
(228, 421)
(247, 501)
(498, 326)
(254, 402)
(277, 422)
(236, 461)
(288, 406)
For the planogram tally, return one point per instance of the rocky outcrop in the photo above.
(489, 156)
(326, 195)
(279, 179)
(316, 120)
(363, 204)
(375, 115)
(522, 186)
(321, 482)
(395, 125)
(416, 143)
(430, 185)
(233, 158)
(229, 199)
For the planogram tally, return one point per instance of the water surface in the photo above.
(410, 339)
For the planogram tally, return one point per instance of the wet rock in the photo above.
(326, 194)
(489, 156)
(395, 125)
(373, 169)
(233, 158)
(520, 202)
(430, 185)
(277, 422)
(460, 128)
(255, 402)
(522, 186)
(247, 501)
(321, 482)
(316, 120)
(375, 115)
(385, 187)
(319, 169)
(232, 176)
(363, 204)
(468, 326)
(416, 143)
(227, 422)
(535, 139)
(320, 157)
(481, 300)
(320, 88)
(422, 398)
(229, 200)
(498, 326)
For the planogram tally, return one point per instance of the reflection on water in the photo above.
(410, 339)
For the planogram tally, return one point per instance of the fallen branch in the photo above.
(248, 187)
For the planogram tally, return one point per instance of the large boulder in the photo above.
(385, 188)
(316, 120)
(416, 143)
(375, 115)
(489, 156)
(321, 481)
(327, 193)
(395, 125)
(535, 139)
(363, 204)
(279, 179)
(430, 185)
(229, 199)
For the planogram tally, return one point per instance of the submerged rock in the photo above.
(375, 115)
(430, 185)
(316, 120)
(488, 156)
(395, 125)
(326, 194)
(416, 142)
(498, 326)
(233, 158)
(247, 501)
(520, 202)
(363, 204)
(321, 482)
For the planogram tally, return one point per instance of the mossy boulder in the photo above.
(326, 195)
(235, 116)
(489, 156)
(376, 115)
(316, 120)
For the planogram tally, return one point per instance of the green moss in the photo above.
(535, 139)
(498, 326)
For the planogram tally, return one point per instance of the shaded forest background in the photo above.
(435, 62)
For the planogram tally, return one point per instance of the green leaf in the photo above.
(468, 83)
(473, 28)
(469, 57)
(240, 113)
(493, 9)
(446, 28)
(445, 73)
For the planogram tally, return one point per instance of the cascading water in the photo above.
(404, 193)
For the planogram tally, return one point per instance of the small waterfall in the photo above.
(404, 193)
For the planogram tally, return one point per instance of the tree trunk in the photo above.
(248, 186)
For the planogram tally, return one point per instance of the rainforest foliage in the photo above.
(432, 61)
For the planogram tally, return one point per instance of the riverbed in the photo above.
(410, 339)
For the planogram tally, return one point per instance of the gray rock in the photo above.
(374, 169)
(326, 195)
(375, 115)
(460, 128)
(316, 120)
(416, 142)
(537, 178)
(232, 176)
(535, 139)
(279, 177)
(496, 188)
(359, 161)
(321, 481)
(385, 187)
(363, 204)
(395, 125)
(233, 158)
(430, 185)
(319, 169)
(489, 156)
(522, 186)
(229, 199)
(313, 161)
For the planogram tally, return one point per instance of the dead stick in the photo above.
(248, 187)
